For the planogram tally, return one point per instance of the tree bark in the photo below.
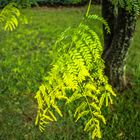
(109, 15)
(117, 45)
(97, 1)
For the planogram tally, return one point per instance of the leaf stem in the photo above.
(86, 101)
(88, 9)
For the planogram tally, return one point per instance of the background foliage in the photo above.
(64, 2)
(26, 3)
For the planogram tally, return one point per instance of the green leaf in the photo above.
(89, 124)
(95, 106)
(62, 97)
(94, 133)
(48, 118)
(51, 113)
(82, 114)
(106, 100)
(96, 114)
(102, 100)
(74, 97)
(37, 119)
(99, 135)
(57, 110)
(82, 106)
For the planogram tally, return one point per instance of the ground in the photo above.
(24, 62)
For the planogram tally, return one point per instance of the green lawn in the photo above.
(24, 62)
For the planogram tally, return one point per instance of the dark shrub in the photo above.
(44, 2)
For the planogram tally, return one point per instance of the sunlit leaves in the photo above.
(10, 17)
(77, 77)
(98, 18)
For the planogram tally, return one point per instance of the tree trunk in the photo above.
(109, 15)
(117, 46)
(97, 1)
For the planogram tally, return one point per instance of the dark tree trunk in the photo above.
(117, 45)
(109, 16)
(97, 1)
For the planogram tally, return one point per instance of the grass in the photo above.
(24, 62)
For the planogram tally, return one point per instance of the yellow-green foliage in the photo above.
(10, 16)
(77, 77)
